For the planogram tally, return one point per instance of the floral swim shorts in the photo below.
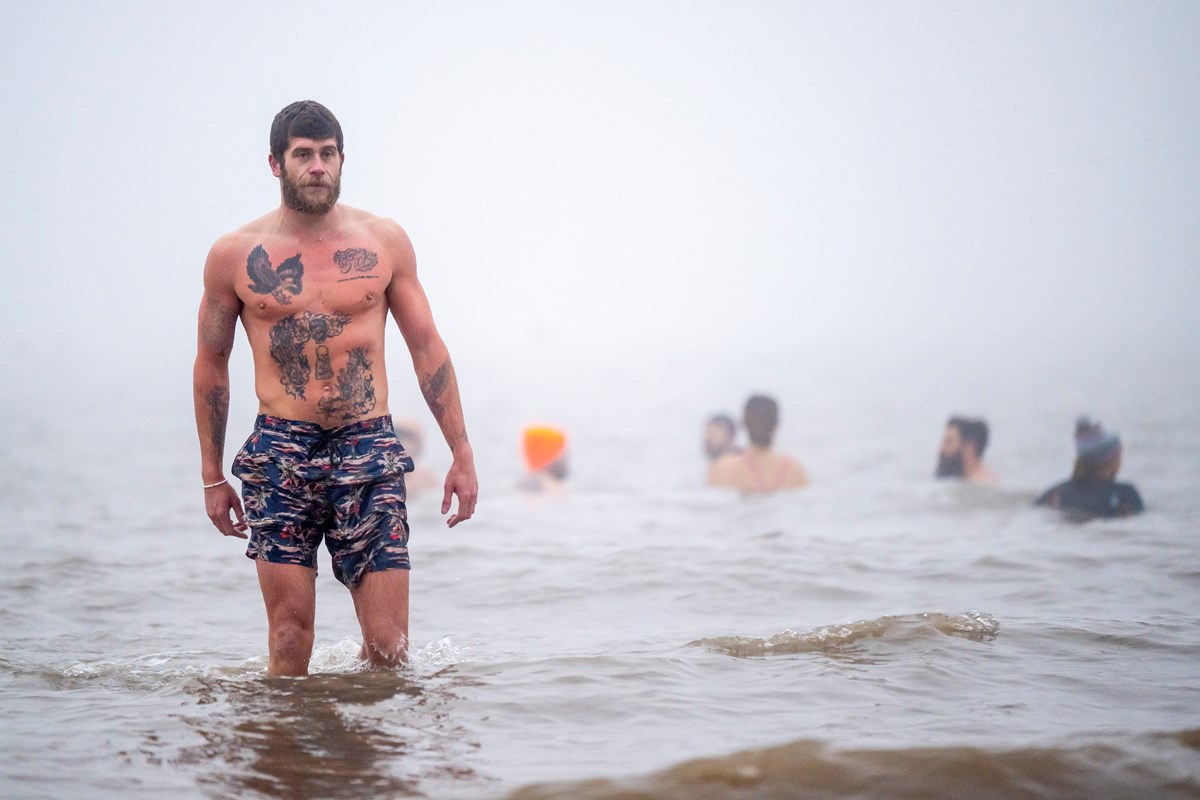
(302, 482)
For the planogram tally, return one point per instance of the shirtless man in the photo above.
(759, 469)
(312, 283)
(961, 452)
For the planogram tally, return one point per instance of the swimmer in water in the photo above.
(545, 450)
(759, 469)
(720, 436)
(1093, 490)
(961, 453)
(421, 479)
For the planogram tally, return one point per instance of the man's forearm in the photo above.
(212, 418)
(439, 386)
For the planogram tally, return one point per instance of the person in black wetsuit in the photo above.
(1093, 490)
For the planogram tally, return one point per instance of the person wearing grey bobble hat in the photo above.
(1093, 490)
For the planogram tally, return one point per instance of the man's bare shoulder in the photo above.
(238, 242)
(795, 475)
(727, 471)
(390, 233)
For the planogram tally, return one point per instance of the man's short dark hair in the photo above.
(971, 430)
(761, 418)
(306, 119)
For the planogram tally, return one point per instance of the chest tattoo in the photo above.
(355, 259)
(279, 282)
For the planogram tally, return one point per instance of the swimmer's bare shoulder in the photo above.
(726, 471)
(796, 476)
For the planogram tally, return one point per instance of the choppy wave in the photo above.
(974, 625)
(1161, 766)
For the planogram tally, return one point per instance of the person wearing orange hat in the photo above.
(545, 451)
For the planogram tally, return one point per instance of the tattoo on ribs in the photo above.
(277, 282)
(289, 338)
(355, 389)
(359, 259)
(218, 415)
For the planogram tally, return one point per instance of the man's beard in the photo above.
(950, 466)
(294, 198)
(715, 450)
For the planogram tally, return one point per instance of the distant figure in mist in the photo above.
(421, 479)
(545, 450)
(961, 453)
(1093, 490)
(720, 436)
(758, 469)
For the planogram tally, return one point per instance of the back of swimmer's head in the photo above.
(761, 418)
(1097, 451)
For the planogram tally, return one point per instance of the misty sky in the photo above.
(620, 178)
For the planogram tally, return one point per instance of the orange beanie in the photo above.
(543, 444)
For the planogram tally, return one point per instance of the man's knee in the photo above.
(291, 639)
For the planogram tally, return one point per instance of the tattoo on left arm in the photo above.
(433, 386)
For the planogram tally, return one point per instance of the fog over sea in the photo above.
(627, 216)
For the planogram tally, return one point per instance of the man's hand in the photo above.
(219, 501)
(461, 481)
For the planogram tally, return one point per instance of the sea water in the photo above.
(878, 634)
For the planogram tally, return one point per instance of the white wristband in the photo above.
(215, 485)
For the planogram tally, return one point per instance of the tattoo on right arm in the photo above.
(218, 415)
(217, 330)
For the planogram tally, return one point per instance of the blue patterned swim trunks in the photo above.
(302, 482)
